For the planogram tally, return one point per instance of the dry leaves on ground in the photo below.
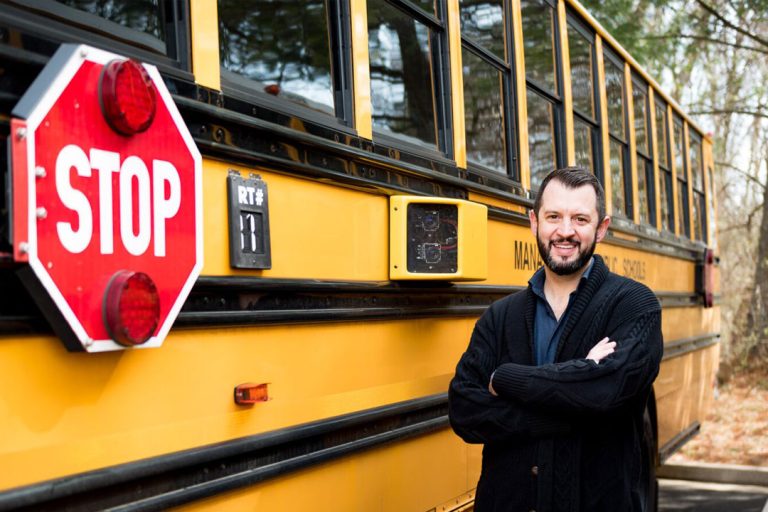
(736, 429)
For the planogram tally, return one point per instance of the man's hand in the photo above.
(490, 386)
(604, 348)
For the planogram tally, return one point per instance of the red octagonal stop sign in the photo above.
(90, 202)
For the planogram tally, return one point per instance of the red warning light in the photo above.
(131, 308)
(128, 98)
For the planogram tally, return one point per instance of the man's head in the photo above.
(568, 219)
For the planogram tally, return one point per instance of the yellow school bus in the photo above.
(366, 171)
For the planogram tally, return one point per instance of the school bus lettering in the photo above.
(634, 269)
(527, 256)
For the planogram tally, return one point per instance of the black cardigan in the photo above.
(565, 436)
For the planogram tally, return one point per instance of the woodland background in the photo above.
(711, 56)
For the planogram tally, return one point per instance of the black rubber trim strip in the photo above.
(172, 480)
(678, 441)
(683, 346)
(239, 300)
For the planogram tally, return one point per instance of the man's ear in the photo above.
(602, 229)
(534, 222)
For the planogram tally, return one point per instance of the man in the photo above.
(556, 377)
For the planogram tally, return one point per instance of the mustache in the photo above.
(569, 239)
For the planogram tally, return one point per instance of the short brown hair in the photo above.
(573, 177)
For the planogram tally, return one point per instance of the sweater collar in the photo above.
(598, 272)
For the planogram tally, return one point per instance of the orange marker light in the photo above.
(249, 394)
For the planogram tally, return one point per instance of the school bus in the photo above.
(366, 167)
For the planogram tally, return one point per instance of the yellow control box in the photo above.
(435, 238)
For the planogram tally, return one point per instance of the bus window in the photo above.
(665, 174)
(586, 129)
(150, 28)
(487, 74)
(682, 177)
(697, 177)
(143, 15)
(618, 149)
(543, 91)
(281, 49)
(645, 190)
(404, 49)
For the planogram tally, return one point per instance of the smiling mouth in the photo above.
(564, 246)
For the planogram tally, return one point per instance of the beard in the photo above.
(564, 268)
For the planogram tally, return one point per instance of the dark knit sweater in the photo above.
(565, 436)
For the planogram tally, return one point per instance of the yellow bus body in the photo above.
(70, 418)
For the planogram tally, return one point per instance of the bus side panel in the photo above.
(684, 392)
(411, 475)
(67, 413)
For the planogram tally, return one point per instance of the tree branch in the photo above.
(743, 173)
(710, 40)
(750, 35)
(716, 112)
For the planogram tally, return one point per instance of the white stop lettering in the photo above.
(153, 207)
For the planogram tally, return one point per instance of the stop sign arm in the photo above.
(20, 198)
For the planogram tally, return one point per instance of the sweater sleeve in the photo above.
(581, 385)
(475, 414)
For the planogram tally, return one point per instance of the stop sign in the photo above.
(92, 201)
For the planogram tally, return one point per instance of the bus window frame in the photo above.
(681, 177)
(556, 98)
(441, 71)
(573, 20)
(49, 20)
(610, 55)
(659, 102)
(509, 92)
(693, 135)
(340, 37)
(638, 83)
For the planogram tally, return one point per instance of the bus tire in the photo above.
(650, 458)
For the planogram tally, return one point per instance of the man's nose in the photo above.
(565, 228)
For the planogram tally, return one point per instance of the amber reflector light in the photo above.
(249, 394)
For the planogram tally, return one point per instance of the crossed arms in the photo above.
(540, 401)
